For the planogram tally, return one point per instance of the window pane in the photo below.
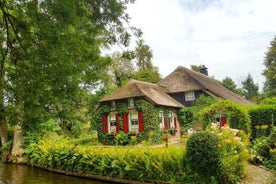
(189, 96)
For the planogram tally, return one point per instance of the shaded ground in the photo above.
(258, 175)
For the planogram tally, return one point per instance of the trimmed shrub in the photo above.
(262, 119)
(203, 154)
(237, 115)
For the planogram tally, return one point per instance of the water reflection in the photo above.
(21, 174)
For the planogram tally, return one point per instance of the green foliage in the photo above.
(150, 120)
(262, 119)
(203, 154)
(234, 154)
(147, 75)
(103, 110)
(188, 116)
(46, 75)
(249, 88)
(265, 148)
(122, 108)
(141, 164)
(230, 84)
(269, 101)
(269, 71)
(45, 129)
(237, 115)
(121, 138)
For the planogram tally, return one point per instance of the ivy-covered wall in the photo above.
(150, 118)
(150, 113)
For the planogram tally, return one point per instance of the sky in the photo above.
(230, 37)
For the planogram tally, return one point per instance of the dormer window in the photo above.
(131, 103)
(113, 105)
(189, 96)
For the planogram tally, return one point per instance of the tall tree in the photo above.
(230, 84)
(146, 71)
(50, 58)
(121, 68)
(143, 55)
(250, 89)
(270, 71)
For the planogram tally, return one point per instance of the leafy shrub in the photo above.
(233, 150)
(121, 138)
(265, 148)
(237, 115)
(262, 119)
(203, 154)
(142, 164)
(189, 116)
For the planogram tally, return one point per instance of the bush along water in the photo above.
(211, 157)
(141, 164)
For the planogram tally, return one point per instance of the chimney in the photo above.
(204, 70)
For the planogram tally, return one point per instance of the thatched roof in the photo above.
(183, 79)
(152, 92)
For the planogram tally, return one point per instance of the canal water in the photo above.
(22, 174)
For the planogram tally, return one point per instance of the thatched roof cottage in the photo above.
(177, 90)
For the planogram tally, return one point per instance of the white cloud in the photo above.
(229, 36)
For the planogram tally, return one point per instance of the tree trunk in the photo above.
(17, 150)
(4, 138)
(3, 122)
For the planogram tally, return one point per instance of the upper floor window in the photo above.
(189, 96)
(113, 105)
(131, 103)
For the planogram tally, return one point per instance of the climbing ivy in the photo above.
(103, 110)
(150, 113)
(150, 121)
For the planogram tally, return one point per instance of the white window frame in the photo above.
(189, 96)
(171, 118)
(133, 122)
(113, 105)
(131, 103)
(161, 119)
(112, 123)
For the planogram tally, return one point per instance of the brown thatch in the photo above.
(183, 79)
(152, 92)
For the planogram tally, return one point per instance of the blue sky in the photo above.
(230, 37)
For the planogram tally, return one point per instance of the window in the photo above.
(189, 96)
(112, 123)
(161, 119)
(171, 119)
(131, 103)
(134, 124)
(113, 105)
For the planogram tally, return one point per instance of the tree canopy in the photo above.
(51, 59)
(270, 70)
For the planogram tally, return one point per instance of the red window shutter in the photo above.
(175, 123)
(104, 119)
(117, 123)
(223, 121)
(166, 123)
(140, 119)
(125, 122)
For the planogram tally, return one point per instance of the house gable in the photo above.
(183, 79)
